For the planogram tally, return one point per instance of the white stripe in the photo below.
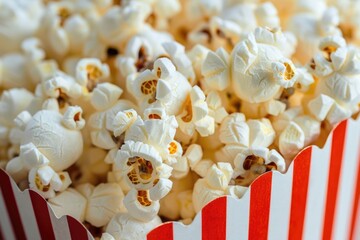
(60, 226)
(26, 212)
(348, 176)
(237, 218)
(280, 204)
(5, 223)
(316, 197)
(192, 231)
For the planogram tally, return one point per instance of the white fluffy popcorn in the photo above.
(259, 69)
(195, 115)
(12, 102)
(253, 132)
(338, 90)
(212, 185)
(19, 19)
(124, 227)
(54, 148)
(310, 27)
(162, 85)
(63, 29)
(90, 72)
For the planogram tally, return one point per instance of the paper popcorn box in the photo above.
(318, 198)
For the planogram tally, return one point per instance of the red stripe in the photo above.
(213, 218)
(356, 203)
(162, 232)
(42, 215)
(11, 205)
(337, 148)
(260, 196)
(77, 230)
(299, 193)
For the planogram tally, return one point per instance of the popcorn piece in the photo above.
(295, 130)
(257, 78)
(70, 202)
(12, 72)
(140, 206)
(309, 28)
(261, 132)
(177, 55)
(141, 162)
(90, 72)
(234, 130)
(18, 21)
(63, 30)
(163, 85)
(236, 191)
(104, 201)
(120, 23)
(55, 147)
(219, 175)
(216, 70)
(218, 32)
(212, 185)
(251, 162)
(203, 194)
(195, 115)
(12, 102)
(291, 140)
(197, 56)
(123, 120)
(216, 110)
(337, 90)
(124, 226)
(102, 122)
(46, 182)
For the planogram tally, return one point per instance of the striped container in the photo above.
(318, 198)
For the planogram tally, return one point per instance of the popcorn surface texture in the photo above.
(126, 114)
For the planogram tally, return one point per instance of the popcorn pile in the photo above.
(124, 114)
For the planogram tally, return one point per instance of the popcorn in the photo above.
(103, 202)
(96, 205)
(57, 182)
(18, 20)
(195, 115)
(105, 99)
(54, 148)
(12, 102)
(62, 29)
(124, 226)
(163, 85)
(234, 130)
(12, 72)
(251, 162)
(216, 70)
(295, 130)
(212, 186)
(256, 77)
(70, 202)
(90, 72)
(337, 92)
(309, 28)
